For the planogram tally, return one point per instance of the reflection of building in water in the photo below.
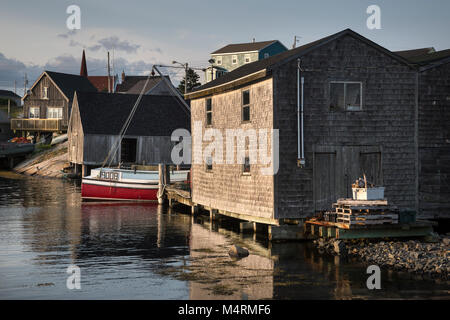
(247, 278)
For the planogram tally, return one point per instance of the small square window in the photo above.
(234, 59)
(246, 166)
(246, 105)
(345, 96)
(209, 164)
(266, 55)
(247, 58)
(208, 111)
(219, 61)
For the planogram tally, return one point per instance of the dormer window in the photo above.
(247, 58)
(45, 93)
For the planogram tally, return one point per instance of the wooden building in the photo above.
(360, 115)
(97, 119)
(155, 86)
(433, 129)
(47, 105)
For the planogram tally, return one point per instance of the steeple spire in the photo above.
(83, 69)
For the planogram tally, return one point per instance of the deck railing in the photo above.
(37, 124)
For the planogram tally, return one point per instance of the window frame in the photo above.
(219, 60)
(53, 110)
(234, 59)
(245, 165)
(266, 55)
(45, 93)
(246, 105)
(247, 55)
(345, 82)
(32, 113)
(208, 112)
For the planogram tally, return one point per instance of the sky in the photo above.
(139, 33)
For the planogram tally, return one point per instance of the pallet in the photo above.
(365, 217)
(352, 202)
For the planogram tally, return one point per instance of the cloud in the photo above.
(67, 34)
(114, 42)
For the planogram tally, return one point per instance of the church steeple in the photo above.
(83, 69)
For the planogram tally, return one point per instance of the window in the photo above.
(266, 55)
(345, 95)
(209, 164)
(246, 166)
(234, 59)
(45, 93)
(246, 105)
(35, 113)
(219, 74)
(54, 113)
(128, 150)
(247, 58)
(208, 111)
(219, 61)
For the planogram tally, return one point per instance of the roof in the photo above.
(244, 47)
(4, 117)
(67, 83)
(414, 52)
(101, 82)
(105, 113)
(83, 68)
(134, 84)
(271, 62)
(8, 93)
(430, 57)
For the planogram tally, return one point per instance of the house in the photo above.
(97, 119)
(433, 130)
(5, 127)
(48, 103)
(233, 56)
(359, 103)
(6, 95)
(101, 83)
(155, 86)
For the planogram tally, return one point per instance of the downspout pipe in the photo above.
(300, 123)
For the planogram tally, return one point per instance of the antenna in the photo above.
(296, 40)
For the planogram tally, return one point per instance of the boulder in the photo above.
(238, 252)
(339, 247)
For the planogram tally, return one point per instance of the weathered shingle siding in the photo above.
(434, 142)
(225, 187)
(387, 121)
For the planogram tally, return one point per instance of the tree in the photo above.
(192, 81)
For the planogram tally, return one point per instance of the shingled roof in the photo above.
(69, 83)
(407, 54)
(271, 62)
(244, 47)
(8, 93)
(105, 113)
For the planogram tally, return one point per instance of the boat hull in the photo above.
(92, 190)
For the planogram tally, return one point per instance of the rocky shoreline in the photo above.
(428, 258)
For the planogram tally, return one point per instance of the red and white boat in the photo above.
(126, 185)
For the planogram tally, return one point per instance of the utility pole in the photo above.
(25, 82)
(109, 73)
(185, 77)
(15, 86)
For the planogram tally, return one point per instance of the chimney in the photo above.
(123, 75)
(83, 69)
(253, 40)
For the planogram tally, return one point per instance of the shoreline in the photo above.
(427, 258)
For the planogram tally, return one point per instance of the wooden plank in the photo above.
(382, 232)
(349, 201)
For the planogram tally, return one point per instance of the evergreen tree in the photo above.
(192, 81)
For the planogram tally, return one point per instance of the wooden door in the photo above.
(324, 180)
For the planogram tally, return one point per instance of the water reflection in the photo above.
(140, 251)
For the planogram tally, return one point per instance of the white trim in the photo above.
(231, 53)
(232, 59)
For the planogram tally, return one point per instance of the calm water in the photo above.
(135, 251)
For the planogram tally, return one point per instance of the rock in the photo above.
(339, 247)
(446, 241)
(431, 238)
(236, 251)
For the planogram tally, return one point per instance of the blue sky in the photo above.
(34, 34)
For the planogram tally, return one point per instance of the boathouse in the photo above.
(48, 103)
(343, 106)
(433, 130)
(97, 119)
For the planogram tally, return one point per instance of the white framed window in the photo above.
(219, 61)
(247, 58)
(234, 59)
(35, 113)
(345, 95)
(266, 55)
(45, 93)
(54, 113)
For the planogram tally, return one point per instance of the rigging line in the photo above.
(125, 126)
